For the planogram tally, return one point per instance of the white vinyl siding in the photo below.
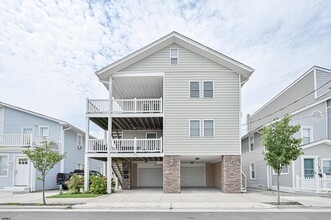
(208, 89)
(323, 82)
(195, 128)
(174, 56)
(208, 128)
(79, 142)
(252, 173)
(4, 165)
(194, 89)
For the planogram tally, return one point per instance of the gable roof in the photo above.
(174, 37)
(2, 104)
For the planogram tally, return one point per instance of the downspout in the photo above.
(62, 147)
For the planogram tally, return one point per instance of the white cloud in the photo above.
(50, 50)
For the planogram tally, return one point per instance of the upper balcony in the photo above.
(20, 140)
(125, 106)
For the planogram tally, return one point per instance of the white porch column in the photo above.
(109, 173)
(86, 172)
(110, 141)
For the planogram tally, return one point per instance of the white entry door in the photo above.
(21, 172)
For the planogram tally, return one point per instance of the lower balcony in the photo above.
(19, 140)
(126, 146)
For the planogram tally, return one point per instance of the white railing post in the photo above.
(31, 140)
(135, 145)
(135, 105)
(161, 105)
(87, 105)
(161, 145)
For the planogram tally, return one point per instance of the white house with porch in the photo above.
(308, 99)
(172, 118)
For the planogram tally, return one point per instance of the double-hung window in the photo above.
(194, 128)
(194, 89)
(174, 56)
(307, 135)
(208, 89)
(79, 142)
(251, 143)
(327, 167)
(3, 165)
(44, 132)
(285, 170)
(252, 171)
(208, 128)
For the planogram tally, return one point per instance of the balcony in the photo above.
(124, 106)
(19, 140)
(126, 146)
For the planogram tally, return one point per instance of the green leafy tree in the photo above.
(281, 148)
(44, 158)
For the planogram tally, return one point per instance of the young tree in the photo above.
(44, 158)
(281, 148)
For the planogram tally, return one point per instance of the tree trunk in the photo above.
(278, 196)
(43, 189)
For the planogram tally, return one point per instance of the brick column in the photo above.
(126, 178)
(171, 174)
(231, 175)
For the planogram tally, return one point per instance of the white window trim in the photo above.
(149, 132)
(281, 173)
(27, 127)
(189, 125)
(250, 171)
(189, 89)
(322, 160)
(173, 57)
(81, 165)
(302, 171)
(40, 127)
(249, 143)
(203, 89)
(311, 133)
(202, 125)
(6, 155)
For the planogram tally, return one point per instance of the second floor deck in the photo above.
(125, 106)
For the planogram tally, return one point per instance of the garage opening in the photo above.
(150, 175)
(193, 175)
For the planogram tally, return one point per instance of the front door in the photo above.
(309, 167)
(21, 171)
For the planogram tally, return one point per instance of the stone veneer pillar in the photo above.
(171, 174)
(231, 174)
(126, 178)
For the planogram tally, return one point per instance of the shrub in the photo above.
(75, 184)
(98, 184)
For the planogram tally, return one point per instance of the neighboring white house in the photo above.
(308, 99)
(21, 128)
(172, 117)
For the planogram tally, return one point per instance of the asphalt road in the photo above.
(67, 214)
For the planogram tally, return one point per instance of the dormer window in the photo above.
(174, 56)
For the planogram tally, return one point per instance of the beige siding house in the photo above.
(172, 119)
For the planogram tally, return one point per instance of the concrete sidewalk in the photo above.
(188, 199)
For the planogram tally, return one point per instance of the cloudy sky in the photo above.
(49, 50)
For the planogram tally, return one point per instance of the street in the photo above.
(71, 214)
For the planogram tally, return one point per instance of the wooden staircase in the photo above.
(118, 170)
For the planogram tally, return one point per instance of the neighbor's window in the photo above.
(208, 89)
(194, 128)
(208, 128)
(173, 56)
(327, 167)
(44, 132)
(285, 170)
(306, 135)
(79, 142)
(251, 143)
(3, 165)
(252, 171)
(194, 89)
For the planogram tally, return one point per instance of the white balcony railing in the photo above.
(125, 106)
(19, 140)
(313, 184)
(126, 145)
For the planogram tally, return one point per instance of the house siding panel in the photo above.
(224, 108)
(322, 82)
(2, 120)
(188, 61)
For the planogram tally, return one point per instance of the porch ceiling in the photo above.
(155, 123)
(138, 87)
(130, 159)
